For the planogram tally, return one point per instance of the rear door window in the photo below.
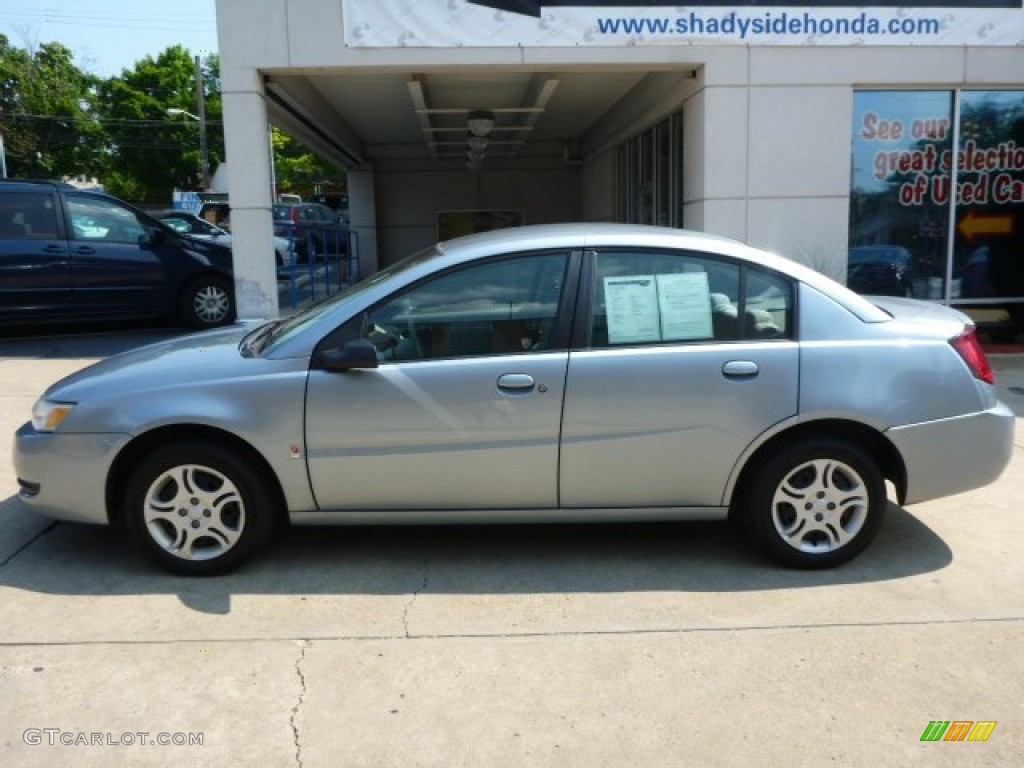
(658, 297)
(650, 297)
(28, 215)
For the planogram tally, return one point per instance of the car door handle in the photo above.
(518, 382)
(54, 249)
(740, 369)
(84, 250)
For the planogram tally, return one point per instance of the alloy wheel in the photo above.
(820, 506)
(194, 512)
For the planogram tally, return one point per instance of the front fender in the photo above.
(265, 411)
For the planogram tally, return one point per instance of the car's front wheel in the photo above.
(207, 302)
(198, 509)
(816, 503)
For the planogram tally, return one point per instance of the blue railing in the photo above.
(320, 262)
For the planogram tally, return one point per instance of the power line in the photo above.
(169, 23)
(128, 122)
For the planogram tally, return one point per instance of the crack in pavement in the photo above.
(30, 542)
(568, 633)
(303, 645)
(412, 600)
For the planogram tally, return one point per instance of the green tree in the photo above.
(60, 121)
(150, 153)
(47, 113)
(298, 170)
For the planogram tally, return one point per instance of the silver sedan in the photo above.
(584, 372)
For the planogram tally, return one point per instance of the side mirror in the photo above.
(358, 354)
(154, 236)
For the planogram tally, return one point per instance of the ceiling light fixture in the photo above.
(480, 122)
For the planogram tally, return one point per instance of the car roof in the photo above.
(585, 234)
(55, 184)
(879, 248)
(610, 234)
(38, 182)
(66, 188)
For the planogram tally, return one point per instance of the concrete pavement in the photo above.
(643, 645)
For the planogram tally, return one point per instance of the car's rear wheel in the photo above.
(816, 503)
(207, 302)
(198, 509)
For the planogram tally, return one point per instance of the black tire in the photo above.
(207, 302)
(815, 504)
(198, 508)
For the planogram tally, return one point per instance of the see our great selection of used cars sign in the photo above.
(498, 23)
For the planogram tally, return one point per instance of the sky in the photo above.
(108, 36)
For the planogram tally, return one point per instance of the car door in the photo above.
(464, 409)
(683, 359)
(35, 270)
(118, 269)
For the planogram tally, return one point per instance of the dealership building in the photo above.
(881, 143)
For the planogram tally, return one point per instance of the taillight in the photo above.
(969, 348)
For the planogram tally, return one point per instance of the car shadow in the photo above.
(84, 560)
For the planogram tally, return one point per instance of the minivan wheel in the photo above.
(816, 504)
(197, 508)
(207, 302)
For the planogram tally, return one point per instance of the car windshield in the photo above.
(276, 331)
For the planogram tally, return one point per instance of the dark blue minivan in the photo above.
(68, 255)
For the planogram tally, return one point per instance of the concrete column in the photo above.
(249, 189)
(362, 213)
(715, 161)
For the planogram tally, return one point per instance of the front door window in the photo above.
(497, 308)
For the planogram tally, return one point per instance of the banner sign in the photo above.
(591, 23)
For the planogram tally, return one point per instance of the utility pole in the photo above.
(3, 153)
(204, 152)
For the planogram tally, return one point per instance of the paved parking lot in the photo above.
(647, 645)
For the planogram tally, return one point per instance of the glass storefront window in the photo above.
(645, 179)
(663, 147)
(899, 210)
(650, 176)
(908, 183)
(677, 170)
(622, 188)
(989, 250)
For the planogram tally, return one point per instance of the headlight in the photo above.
(47, 415)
